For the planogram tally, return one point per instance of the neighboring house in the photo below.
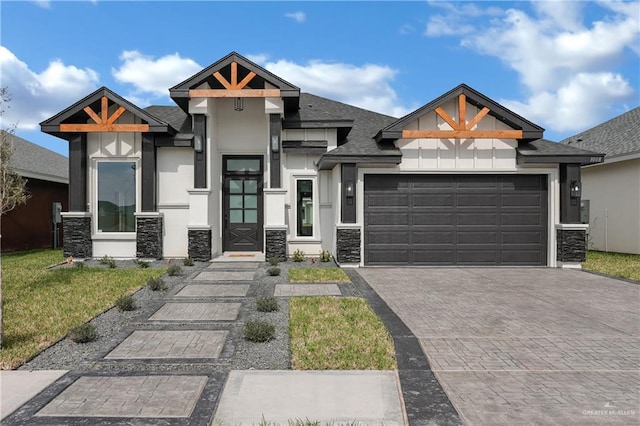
(30, 225)
(612, 188)
(246, 162)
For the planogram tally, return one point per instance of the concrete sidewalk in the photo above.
(18, 387)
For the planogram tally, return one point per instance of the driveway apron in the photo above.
(524, 346)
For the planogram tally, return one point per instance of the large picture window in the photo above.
(116, 196)
(304, 211)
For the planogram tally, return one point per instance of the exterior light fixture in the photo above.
(575, 190)
(238, 104)
(197, 143)
(275, 143)
(348, 190)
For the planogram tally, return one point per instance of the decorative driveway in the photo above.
(534, 345)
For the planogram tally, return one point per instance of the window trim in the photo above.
(316, 208)
(96, 234)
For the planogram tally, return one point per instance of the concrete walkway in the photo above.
(180, 352)
(524, 346)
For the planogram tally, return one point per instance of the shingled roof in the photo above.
(33, 161)
(617, 137)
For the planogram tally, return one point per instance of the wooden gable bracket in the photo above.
(462, 129)
(104, 123)
(234, 89)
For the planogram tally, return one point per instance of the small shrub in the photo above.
(267, 304)
(126, 303)
(83, 333)
(325, 256)
(187, 261)
(259, 331)
(79, 265)
(142, 264)
(156, 284)
(273, 271)
(108, 261)
(174, 270)
(274, 261)
(298, 256)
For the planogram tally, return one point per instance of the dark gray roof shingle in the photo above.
(616, 137)
(365, 125)
(545, 147)
(173, 116)
(33, 161)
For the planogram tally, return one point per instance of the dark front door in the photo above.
(242, 204)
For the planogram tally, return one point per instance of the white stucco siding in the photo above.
(452, 154)
(613, 191)
(327, 224)
(175, 239)
(240, 132)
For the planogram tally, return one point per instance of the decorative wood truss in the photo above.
(104, 122)
(234, 89)
(462, 129)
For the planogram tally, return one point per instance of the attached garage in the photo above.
(473, 220)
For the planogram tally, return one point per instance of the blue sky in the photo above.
(565, 65)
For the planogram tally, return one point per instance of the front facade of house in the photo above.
(247, 163)
(612, 188)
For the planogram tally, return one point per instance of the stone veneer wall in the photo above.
(77, 237)
(572, 245)
(276, 244)
(149, 237)
(200, 244)
(348, 245)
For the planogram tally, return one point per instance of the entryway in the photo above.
(242, 203)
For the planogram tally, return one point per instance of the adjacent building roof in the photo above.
(33, 161)
(617, 137)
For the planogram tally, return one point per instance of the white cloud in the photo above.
(153, 76)
(37, 96)
(367, 86)
(299, 17)
(566, 65)
(258, 58)
(456, 19)
(45, 4)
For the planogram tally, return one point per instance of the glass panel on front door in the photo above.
(243, 201)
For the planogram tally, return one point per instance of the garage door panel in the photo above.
(433, 200)
(388, 218)
(437, 218)
(432, 237)
(455, 220)
(477, 237)
(391, 199)
(477, 218)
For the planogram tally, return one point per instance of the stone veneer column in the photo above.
(572, 244)
(200, 244)
(149, 235)
(348, 244)
(276, 244)
(77, 235)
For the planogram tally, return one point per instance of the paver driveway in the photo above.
(524, 346)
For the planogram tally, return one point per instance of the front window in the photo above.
(116, 196)
(304, 197)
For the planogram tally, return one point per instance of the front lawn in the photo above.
(318, 275)
(41, 305)
(615, 264)
(338, 333)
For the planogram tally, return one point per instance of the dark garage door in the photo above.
(455, 220)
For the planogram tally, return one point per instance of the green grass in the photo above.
(317, 275)
(40, 306)
(615, 264)
(331, 333)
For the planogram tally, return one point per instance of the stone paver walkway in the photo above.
(219, 290)
(306, 290)
(221, 276)
(197, 312)
(147, 344)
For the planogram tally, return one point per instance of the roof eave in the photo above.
(328, 162)
(559, 159)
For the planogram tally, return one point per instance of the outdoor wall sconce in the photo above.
(275, 143)
(348, 190)
(197, 143)
(576, 190)
(238, 104)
